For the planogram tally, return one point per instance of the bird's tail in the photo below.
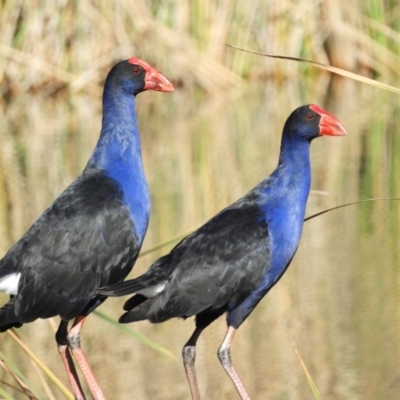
(8, 319)
(138, 307)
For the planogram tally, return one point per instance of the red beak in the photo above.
(154, 80)
(329, 125)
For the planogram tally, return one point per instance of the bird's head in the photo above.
(135, 76)
(310, 121)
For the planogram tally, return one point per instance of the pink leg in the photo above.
(74, 342)
(63, 349)
(189, 356)
(224, 355)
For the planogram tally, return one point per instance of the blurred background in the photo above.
(204, 146)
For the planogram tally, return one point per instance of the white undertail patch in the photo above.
(153, 290)
(9, 283)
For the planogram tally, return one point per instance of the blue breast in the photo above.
(125, 167)
(118, 154)
(283, 204)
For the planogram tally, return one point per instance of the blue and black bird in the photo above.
(230, 263)
(92, 233)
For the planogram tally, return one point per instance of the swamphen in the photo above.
(232, 261)
(91, 235)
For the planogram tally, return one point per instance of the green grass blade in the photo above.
(146, 341)
(335, 70)
(4, 394)
(307, 374)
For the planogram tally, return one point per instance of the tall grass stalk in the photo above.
(18, 377)
(335, 70)
(66, 393)
(303, 365)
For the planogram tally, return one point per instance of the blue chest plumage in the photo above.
(283, 202)
(118, 154)
(128, 172)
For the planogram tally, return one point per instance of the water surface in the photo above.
(340, 299)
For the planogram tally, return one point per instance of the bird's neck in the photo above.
(119, 132)
(294, 163)
(286, 191)
(118, 155)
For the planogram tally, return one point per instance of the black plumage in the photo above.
(92, 233)
(85, 239)
(208, 290)
(231, 262)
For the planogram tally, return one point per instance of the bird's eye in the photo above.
(310, 116)
(136, 70)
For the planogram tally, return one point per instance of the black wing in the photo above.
(214, 268)
(84, 240)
